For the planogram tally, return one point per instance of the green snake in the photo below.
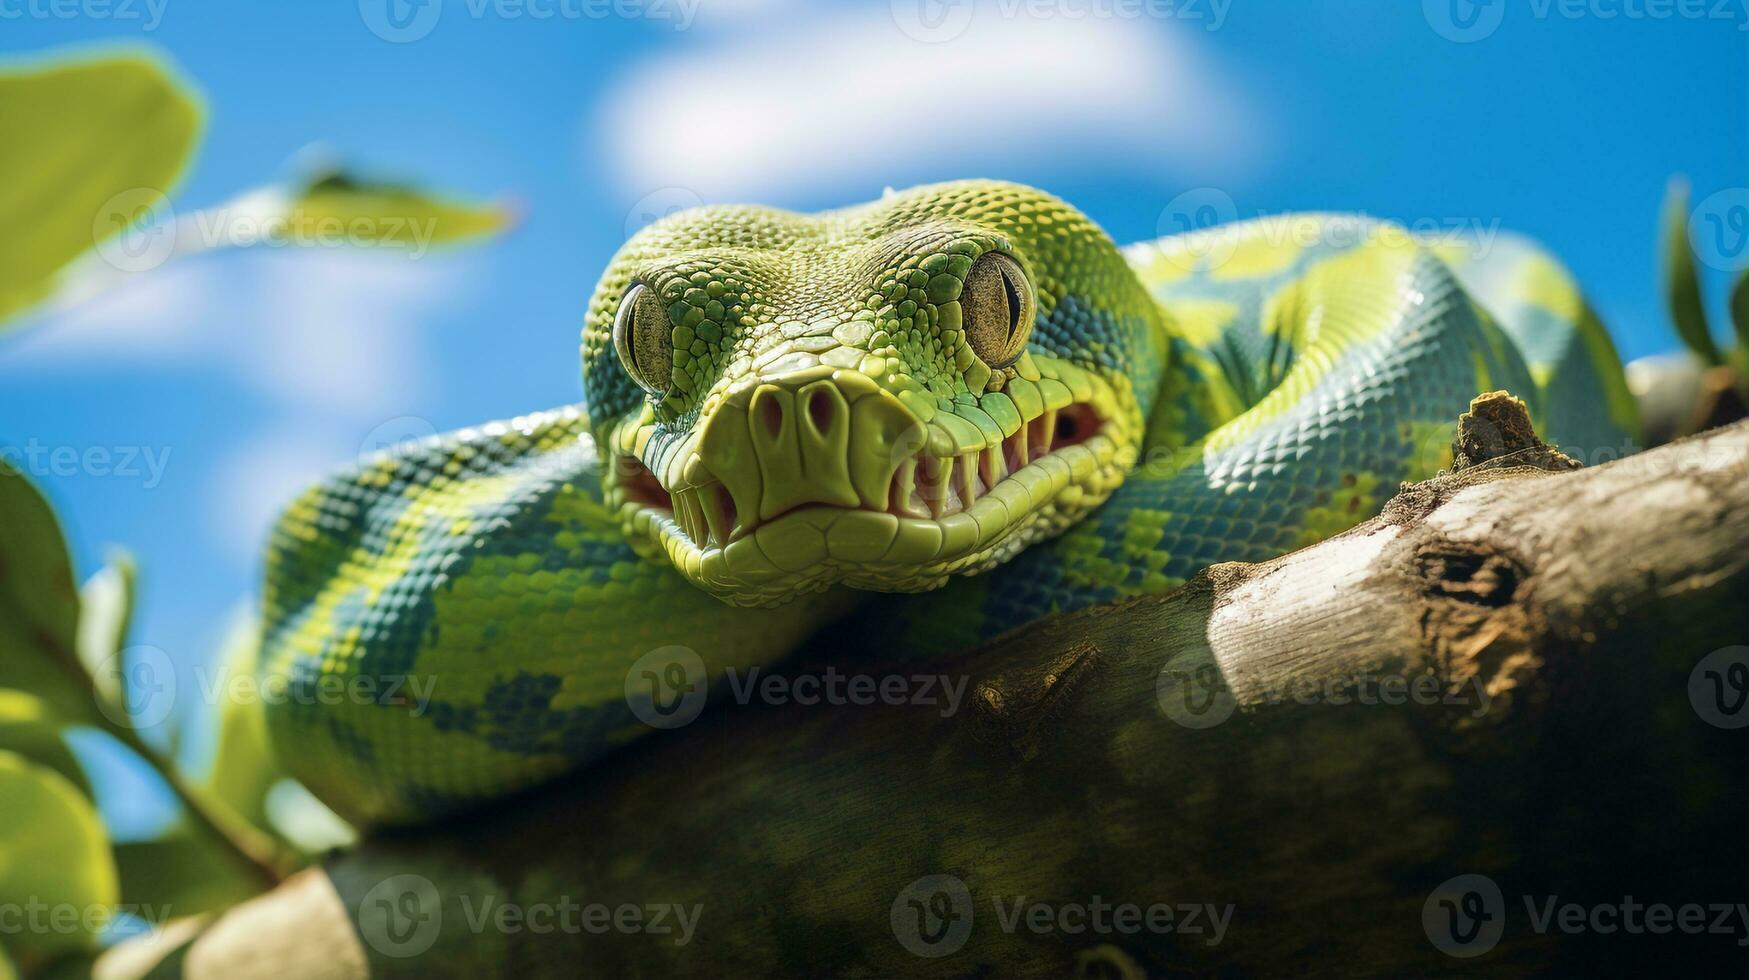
(964, 390)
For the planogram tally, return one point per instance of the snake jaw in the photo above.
(870, 396)
(757, 505)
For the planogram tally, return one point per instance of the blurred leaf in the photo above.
(29, 728)
(106, 609)
(389, 213)
(178, 875)
(306, 821)
(7, 970)
(244, 767)
(39, 608)
(1681, 284)
(53, 851)
(329, 211)
(87, 134)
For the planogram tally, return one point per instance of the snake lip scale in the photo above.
(955, 502)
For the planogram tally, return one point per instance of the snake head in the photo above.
(881, 396)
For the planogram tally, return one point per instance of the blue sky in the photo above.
(248, 374)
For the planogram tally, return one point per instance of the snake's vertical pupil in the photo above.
(997, 309)
(642, 337)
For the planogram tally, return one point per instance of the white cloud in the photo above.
(854, 99)
(336, 343)
(156, 316)
(342, 331)
(321, 333)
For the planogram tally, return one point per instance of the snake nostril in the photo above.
(820, 410)
(771, 413)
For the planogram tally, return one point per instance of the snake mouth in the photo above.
(940, 513)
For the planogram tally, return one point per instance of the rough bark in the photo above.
(1511, 672)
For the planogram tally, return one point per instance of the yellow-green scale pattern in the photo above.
(1263, 385)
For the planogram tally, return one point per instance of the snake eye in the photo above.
(997, 309)
(643, 338)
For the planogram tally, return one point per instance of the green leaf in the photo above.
(55, 859)
(382, 213)
(39, 607)
(29, 728)
(306, 821)
(7, 970)
(178, 875)
(106, 610)
(1681, 283)
(92, 141)
(244, 767)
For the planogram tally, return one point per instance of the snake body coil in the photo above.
(964, 390)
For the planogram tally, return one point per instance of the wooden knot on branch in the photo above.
(1013, 707)
(1498, 427)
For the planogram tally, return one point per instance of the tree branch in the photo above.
(1511, 672)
